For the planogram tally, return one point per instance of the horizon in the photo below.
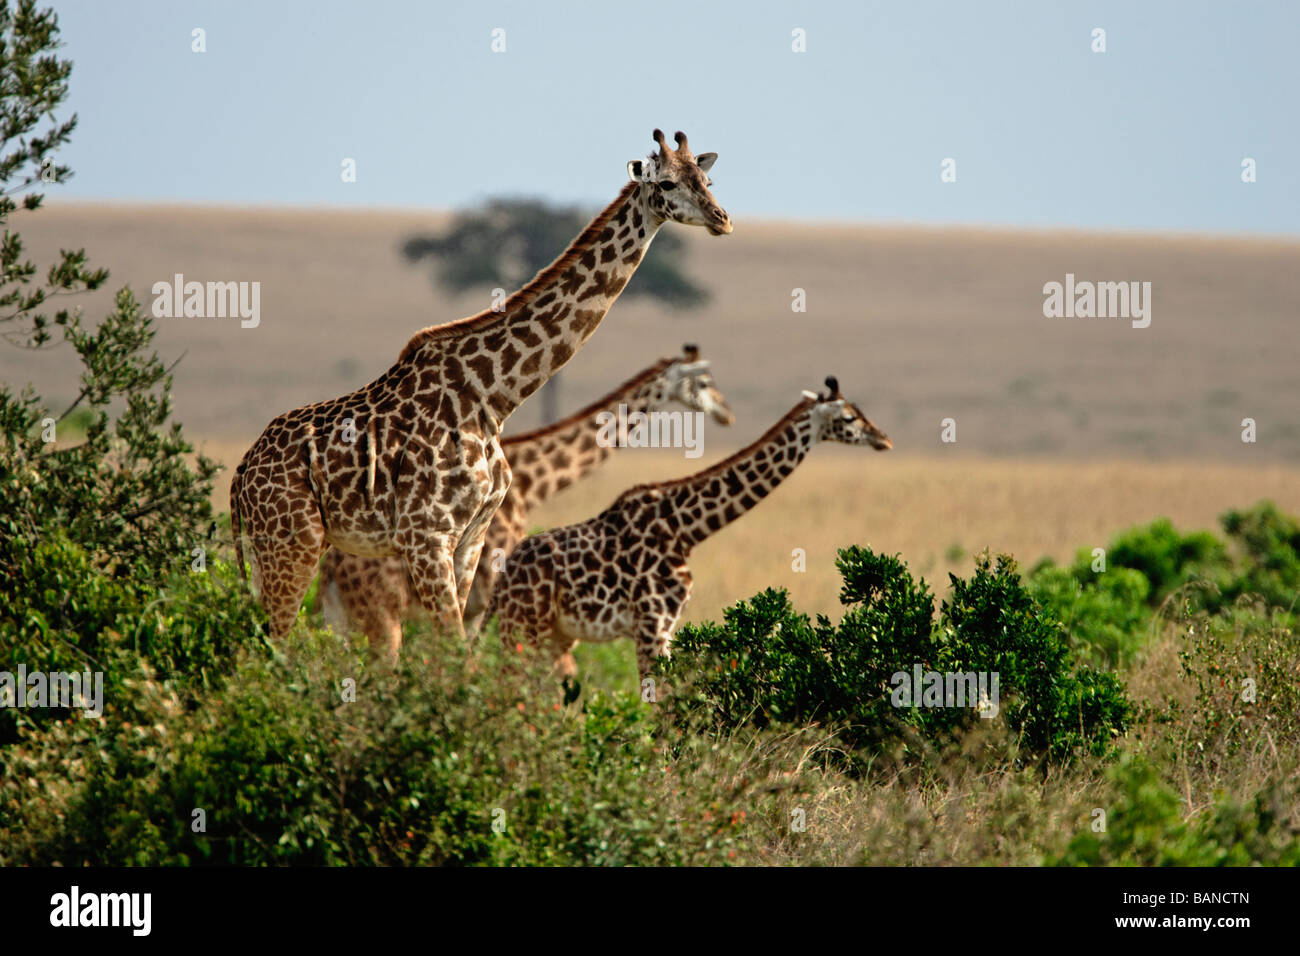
(881, 225)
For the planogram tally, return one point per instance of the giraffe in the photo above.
(410, 465)
(624, 572)
(373, 595)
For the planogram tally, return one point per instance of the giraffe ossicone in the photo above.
(373, 595)
(426, 472)
(624, 573)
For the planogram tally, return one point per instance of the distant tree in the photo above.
(505, 242)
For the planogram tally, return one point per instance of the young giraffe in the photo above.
(410, 464)
(624, 572)
(373, 595)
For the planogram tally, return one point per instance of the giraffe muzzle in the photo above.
(719, 223)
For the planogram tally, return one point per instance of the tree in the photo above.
(124, 492)
(507, 241)
(33, 82)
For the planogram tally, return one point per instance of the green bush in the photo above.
(768, 664)
(1269, 543)
(415, 770)
(1106, 619)
(1166, 558)
(1059, 707)
(1110, 613)
(71, 616)
(1144, 827)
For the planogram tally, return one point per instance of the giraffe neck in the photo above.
(503, 356)
(550, 459)
(702, 504)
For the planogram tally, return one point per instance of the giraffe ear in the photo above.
(636, 170)
(705, 161)
(810, 395)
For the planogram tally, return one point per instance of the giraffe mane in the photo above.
(530, 290)
(723, 465)
(586, 413)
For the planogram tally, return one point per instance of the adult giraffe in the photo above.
(410, 464)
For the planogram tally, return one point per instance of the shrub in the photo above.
(1144, 827)
(1106, 619)
(100, 505)
(1269, 542)
(71, 616)
(768, 664)
(1059, 707)
(1243, 664)
(416, 770)
(1166, 558)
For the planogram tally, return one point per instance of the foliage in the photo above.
(124, 493)
(1106, 619)
(767, 664)
(416, 769)
(101, 511)
(1110, 613)
(1269, 545)
(33, 83)
(1166, 558)
(1060, 708)
(1144, 826)
(70, 616)
(1243, 664)
(508, 241)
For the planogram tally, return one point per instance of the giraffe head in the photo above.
(835, 418)
(676, 184)
(688, 380)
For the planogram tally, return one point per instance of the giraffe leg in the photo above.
(367, 596)
(659, 616)
(524, 605)
(286, 568)
(432, 569)
(565, 663)
(652, 642)
(469, 547)
(468, 552)
(382, 625)
(477, 603)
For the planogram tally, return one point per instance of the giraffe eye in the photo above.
(667, 184)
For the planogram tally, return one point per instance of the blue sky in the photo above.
(1150, 134)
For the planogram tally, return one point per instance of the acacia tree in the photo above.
(124, 492)
(507, 241)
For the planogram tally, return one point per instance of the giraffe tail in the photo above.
(236, 523)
